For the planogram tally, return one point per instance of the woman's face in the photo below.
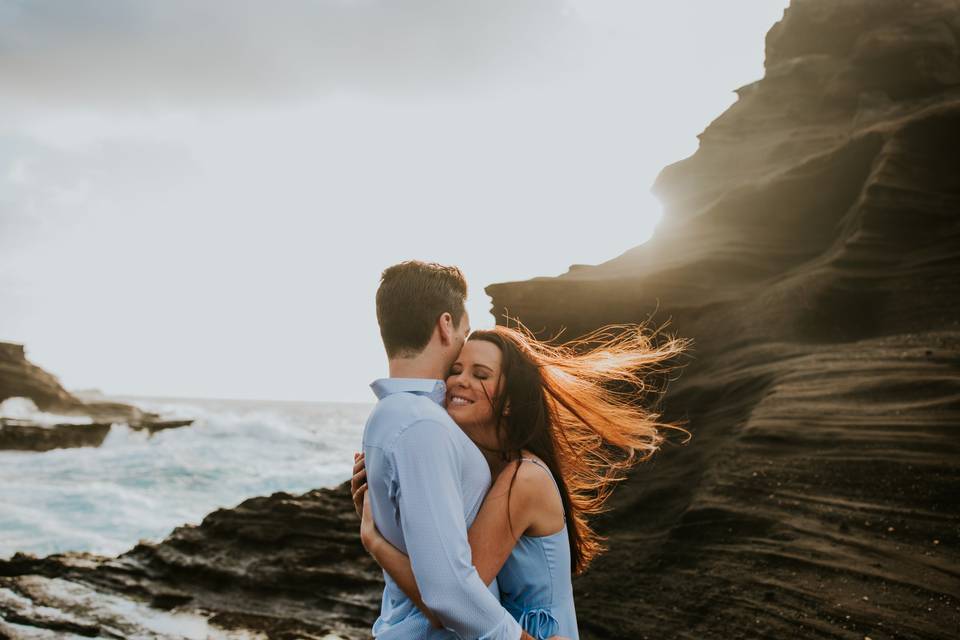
(473, 383)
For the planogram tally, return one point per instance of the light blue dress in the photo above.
(535, 582)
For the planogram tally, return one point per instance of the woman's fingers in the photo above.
(367, 509)
(368, 530)
(358, 483)
(358, 498)
(358, 494)
(358, 479)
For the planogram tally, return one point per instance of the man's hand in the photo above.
(358, 483)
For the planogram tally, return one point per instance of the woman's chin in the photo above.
(455, 410)
(460, 414)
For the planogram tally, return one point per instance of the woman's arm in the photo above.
(491, 538)
(508, 510)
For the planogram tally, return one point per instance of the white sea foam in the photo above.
(71, 602)
(25, 409)
(137, 486)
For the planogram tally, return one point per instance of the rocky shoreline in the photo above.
(20, 378)
(809, 248)
(283, 566)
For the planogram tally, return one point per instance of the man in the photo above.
(426, 480)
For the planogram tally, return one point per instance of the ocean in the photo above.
(140, 487)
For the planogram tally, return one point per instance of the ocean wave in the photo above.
(25, 409)
(140, 486)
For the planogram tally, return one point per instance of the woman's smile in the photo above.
(458, 400)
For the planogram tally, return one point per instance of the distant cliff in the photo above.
(811, 249)
(20, 378)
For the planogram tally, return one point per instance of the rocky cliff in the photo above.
(811, 249)
(20, 378)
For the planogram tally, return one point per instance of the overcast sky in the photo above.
(197, 198)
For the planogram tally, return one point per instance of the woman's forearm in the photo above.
(397, 564)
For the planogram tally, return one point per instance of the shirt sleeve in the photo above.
(427, 466)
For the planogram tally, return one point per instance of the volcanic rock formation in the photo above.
(20, 378)
(284, 566)
(811, 249)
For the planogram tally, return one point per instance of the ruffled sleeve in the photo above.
(539, 623)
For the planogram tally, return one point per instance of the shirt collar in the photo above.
(436, 390)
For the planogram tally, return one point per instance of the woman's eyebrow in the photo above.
(477, 364)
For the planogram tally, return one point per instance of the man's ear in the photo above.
(445, 328)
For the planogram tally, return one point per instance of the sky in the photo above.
(197, 198)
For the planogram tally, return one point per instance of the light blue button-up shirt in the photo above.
(426, 481)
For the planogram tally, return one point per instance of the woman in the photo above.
(558, 426)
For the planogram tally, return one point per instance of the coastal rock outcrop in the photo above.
(20, 378)
(282, 566)
(811, 249)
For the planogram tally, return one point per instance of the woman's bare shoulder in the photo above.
(528, 480)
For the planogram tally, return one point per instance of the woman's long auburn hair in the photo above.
(579, 408)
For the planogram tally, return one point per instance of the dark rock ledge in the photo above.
(285, 566)
(21, 378)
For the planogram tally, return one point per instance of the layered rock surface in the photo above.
(810, 248)
(20, 378)
(280, 566)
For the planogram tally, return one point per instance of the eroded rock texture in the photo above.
(280, 566)
(20, 378)
(811, 248)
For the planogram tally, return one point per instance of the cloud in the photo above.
(49, 192)
(117, 52)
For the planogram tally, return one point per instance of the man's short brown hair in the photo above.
(411, 296)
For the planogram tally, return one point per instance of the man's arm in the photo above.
(427, 467)
(391, 559)
(397, 564)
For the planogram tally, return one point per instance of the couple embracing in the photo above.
(484, 458)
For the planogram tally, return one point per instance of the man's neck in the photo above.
(418, 367)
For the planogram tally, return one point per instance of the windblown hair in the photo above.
(580, 407)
